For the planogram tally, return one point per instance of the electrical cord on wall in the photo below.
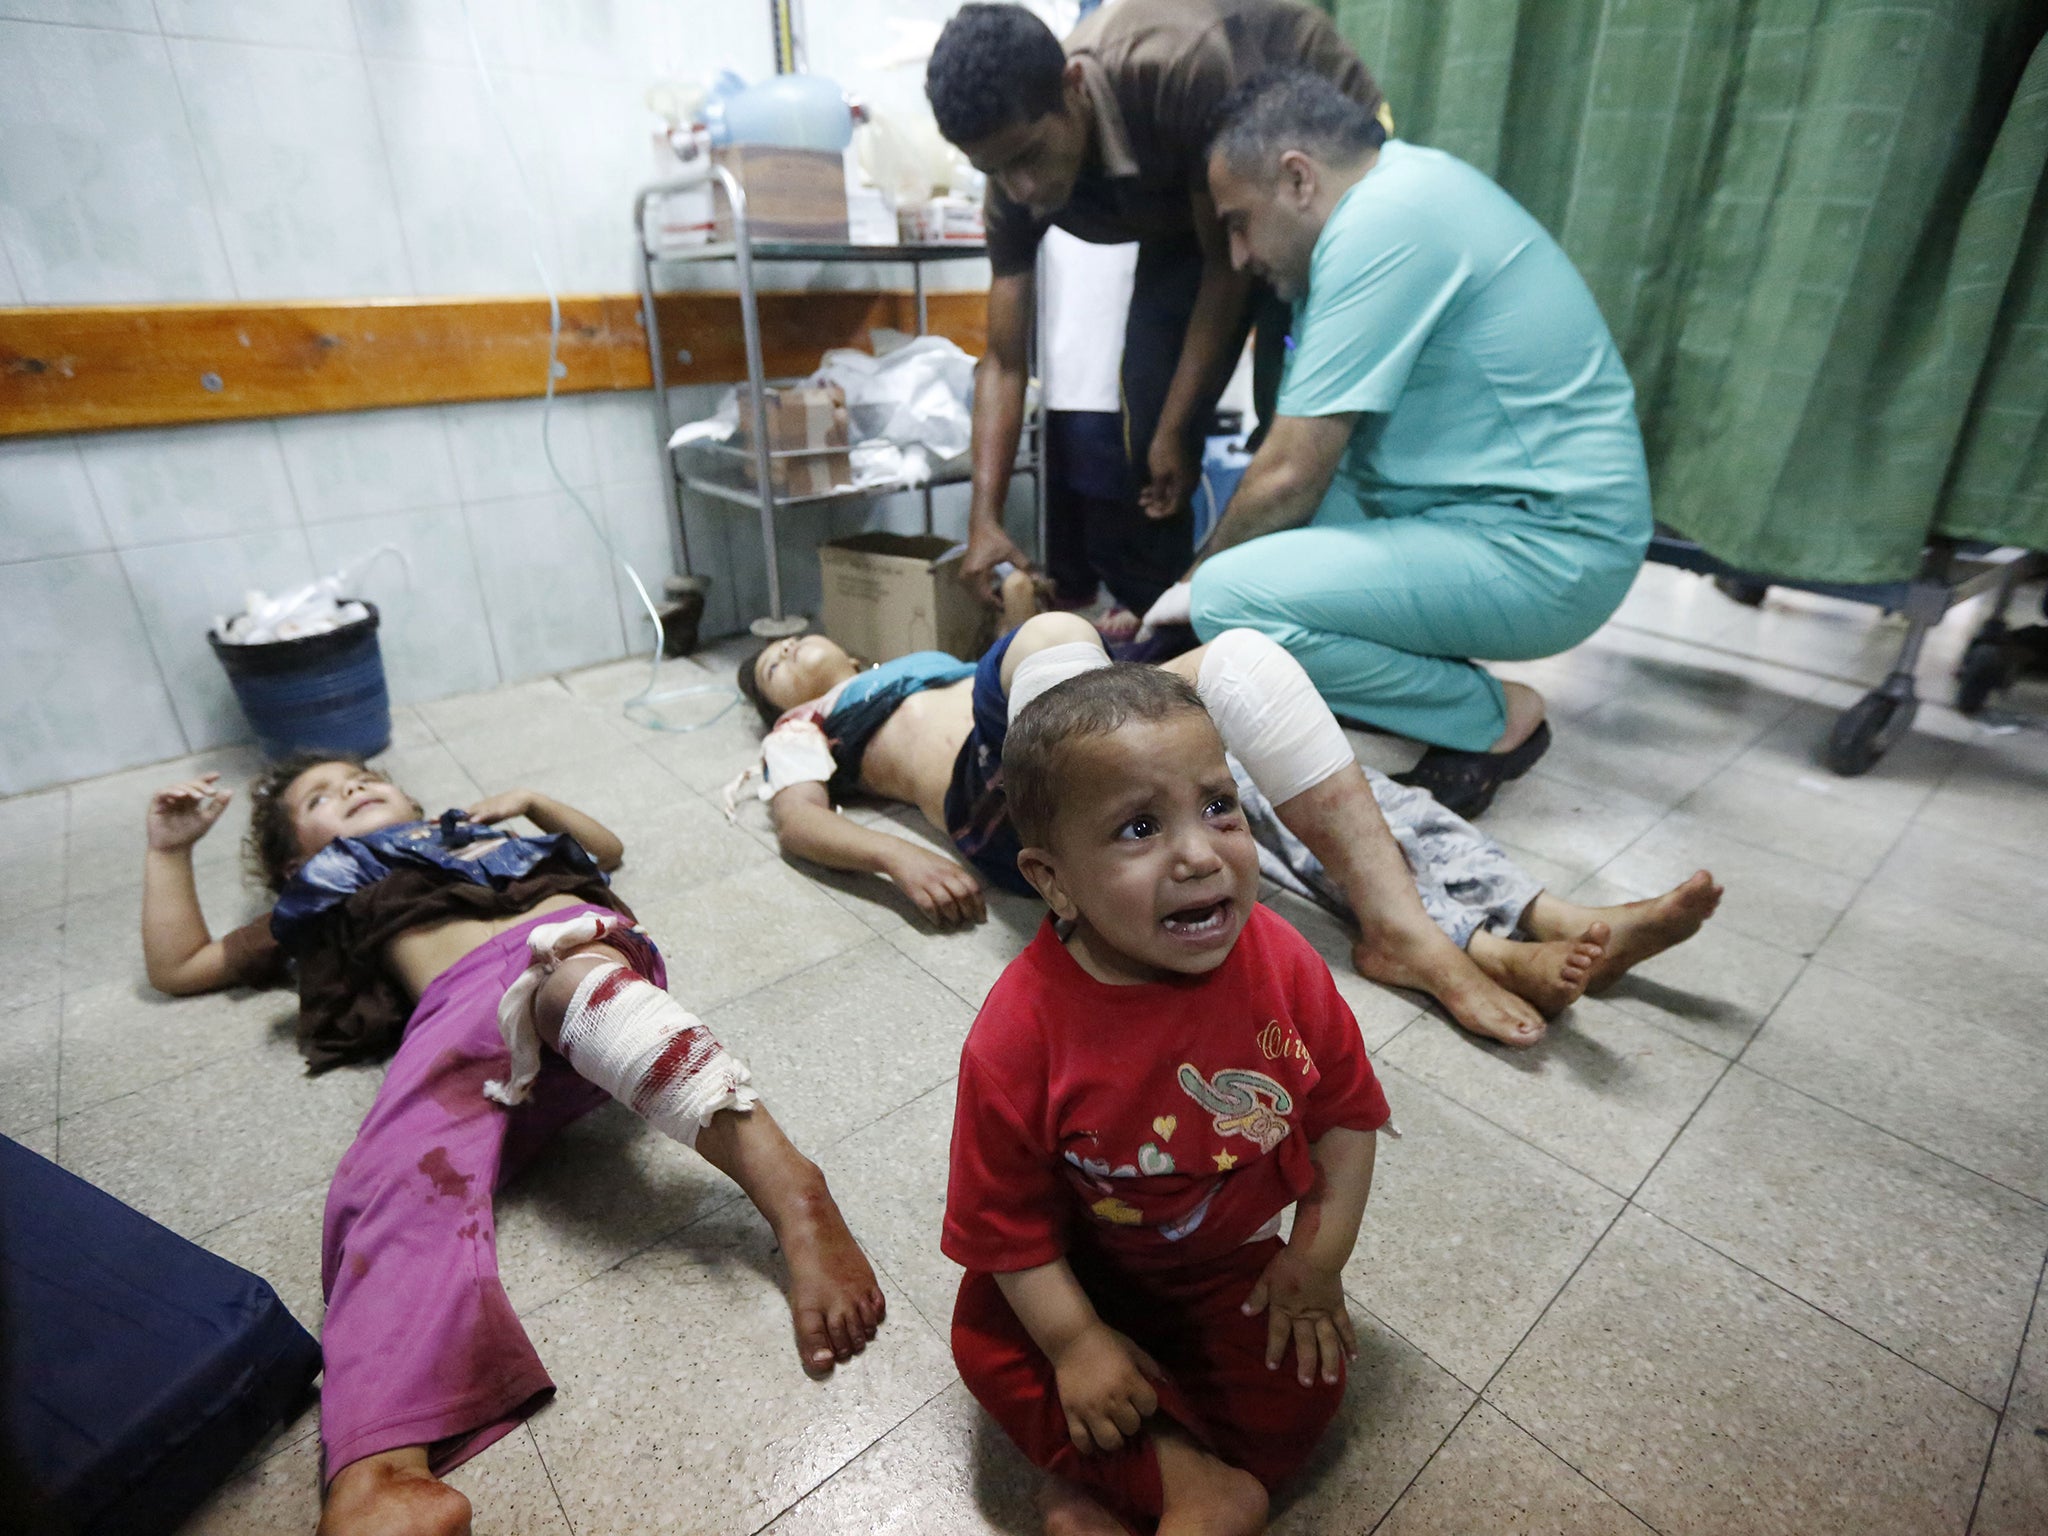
(640, 708)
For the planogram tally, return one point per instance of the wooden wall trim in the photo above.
(96, 368)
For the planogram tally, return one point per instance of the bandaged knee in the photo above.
(1269, 714)
(652, 1054)
(1047, 669)
(624, 1034)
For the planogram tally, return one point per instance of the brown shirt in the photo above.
(1156, 70)
(350, 1005)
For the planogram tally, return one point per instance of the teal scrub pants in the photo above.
(1385, 613)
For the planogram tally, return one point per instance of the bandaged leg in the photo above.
(1269, 714)
(653, 1055)
(622, 1033)
(1049, 668)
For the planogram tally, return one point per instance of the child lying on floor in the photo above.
(1441, 908)
(1149, 1086)
(492, 944)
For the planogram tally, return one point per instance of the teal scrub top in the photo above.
(1447, 315)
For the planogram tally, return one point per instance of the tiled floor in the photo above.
(1753, 1244)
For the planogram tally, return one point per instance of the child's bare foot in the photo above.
(1204, 1496)
(1640, 928)
(834, 1301)
(393, 1494)
(1469, 996)
(1551, 973)
(1068, 1511)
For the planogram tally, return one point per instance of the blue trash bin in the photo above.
(321, 693)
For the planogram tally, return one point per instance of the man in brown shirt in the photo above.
(1107, 138)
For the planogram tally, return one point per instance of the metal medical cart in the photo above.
(1949, 574)
(744, 251)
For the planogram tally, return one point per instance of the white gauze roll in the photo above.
(1270, 715)
(1049, 668)
(652, 1054)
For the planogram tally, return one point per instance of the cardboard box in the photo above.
(792, 194)
(888, 594)
(799, 416)
(810, 474)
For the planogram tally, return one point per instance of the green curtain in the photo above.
(1818, 228)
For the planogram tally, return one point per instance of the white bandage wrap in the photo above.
(796, 752)
(653, 1055)
(1270, 715)
(1049, 668)
(622, 1033)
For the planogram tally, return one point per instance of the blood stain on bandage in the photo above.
(610, 987)
(358, 1265)
(680, 1057)
(442, 1175)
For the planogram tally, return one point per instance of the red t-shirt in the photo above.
(1162, 1124)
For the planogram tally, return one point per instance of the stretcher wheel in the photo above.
(1986, 668)
(1866, 731)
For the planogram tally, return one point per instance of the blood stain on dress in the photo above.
(445, 1179)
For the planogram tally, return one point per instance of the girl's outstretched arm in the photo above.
(178, 952)
(598, 840)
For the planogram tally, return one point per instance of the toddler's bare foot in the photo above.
(393, 1494)
(1068, 1511)
(1473, 999)
(834, 1302)
(1640, 928)
(1551, 973)
(1204, 1496)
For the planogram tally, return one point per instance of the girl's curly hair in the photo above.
(271, 850)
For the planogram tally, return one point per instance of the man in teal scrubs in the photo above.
(1455, 469)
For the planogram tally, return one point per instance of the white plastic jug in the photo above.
(783, 111)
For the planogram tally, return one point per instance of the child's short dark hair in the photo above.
(1093, 704)
(272, 846)
(748, 681)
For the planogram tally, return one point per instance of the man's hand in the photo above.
(493, 809)
(947, 893)
(1176, 605)
(1105, 1385)
(988, 547)
(1306, 1303)
(181, 814)
(1173, 476)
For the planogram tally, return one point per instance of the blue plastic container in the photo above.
(321, 693)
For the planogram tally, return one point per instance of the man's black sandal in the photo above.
(1465, 782)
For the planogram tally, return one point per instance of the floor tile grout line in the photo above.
(857, 1457)
(1945, 1157)
(1429, 1460)
(63, 993)
(731, 1197)
(2012, 1381)
(1862, 886)
(1813, 1306)
(1480, 1115)
(1591, 1482)
(526, 1427)
(1544, 1311)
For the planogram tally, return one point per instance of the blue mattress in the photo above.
(137, 1368)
